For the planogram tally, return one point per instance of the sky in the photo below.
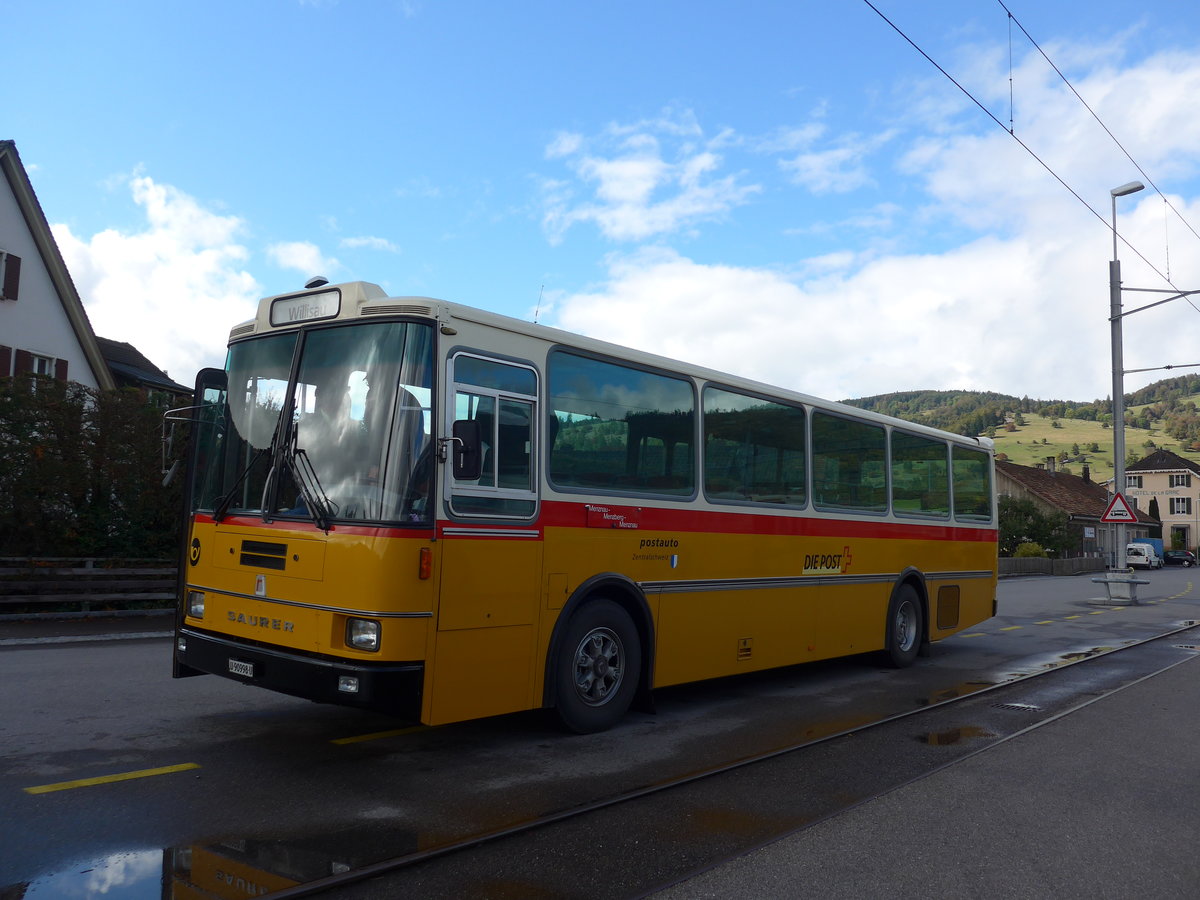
(789, 191)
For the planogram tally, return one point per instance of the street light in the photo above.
(1118, 367)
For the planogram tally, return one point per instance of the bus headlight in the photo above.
(362, 634)
(195, 604)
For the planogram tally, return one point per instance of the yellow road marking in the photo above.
(1072, 617)
(1098, 612)
(975, 634)
(378, 735)
(109, 779)
(1047, 622)
(1012, 628)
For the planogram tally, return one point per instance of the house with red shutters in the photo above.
(43, 326)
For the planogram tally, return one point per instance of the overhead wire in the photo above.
(1095, 116)
(1026, 147)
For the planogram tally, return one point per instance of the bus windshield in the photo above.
(346, 437)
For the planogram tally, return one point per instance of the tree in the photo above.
(1153, 510)
(1022, 522)
(80, 472)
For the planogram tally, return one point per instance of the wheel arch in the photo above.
(625, 593)
(915, 578)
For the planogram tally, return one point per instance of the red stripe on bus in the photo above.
(575, 515)
(300, 525)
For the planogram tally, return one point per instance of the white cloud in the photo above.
(173, 288)
(1026, 315)
(645, 180)
(369, 243)
(1017, 303)
(564, 144)
(836, 169)
(302, 256)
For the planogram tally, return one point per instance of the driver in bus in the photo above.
(326, 434)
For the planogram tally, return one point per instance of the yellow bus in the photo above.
(419, 507)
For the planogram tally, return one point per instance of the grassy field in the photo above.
(1032, 442)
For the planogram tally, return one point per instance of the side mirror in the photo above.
(468, 450)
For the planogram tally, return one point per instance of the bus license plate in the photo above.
(241, 667)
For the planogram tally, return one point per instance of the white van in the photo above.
(1142, 556)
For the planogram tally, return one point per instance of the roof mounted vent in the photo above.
(316, 281)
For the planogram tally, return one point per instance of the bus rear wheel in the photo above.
(905, 627)
(598, 667)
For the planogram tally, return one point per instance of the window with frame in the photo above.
(849, 464)
(1180, 479)
(502, 398)
(920, 476)
(618, 428)
(972, 484)
(10, 275)
(1133, 481)
(754, 449)
(1181, 506)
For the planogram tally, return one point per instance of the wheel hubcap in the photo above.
(599, 666)
(906, 626)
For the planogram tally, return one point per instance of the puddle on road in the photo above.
(953, 736)
(945, 695)
(126, 875)
(232, 870)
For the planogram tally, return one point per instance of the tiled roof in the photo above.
(1163, 460)
(1067, 493)
(125, 359)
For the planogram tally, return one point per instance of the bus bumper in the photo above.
(393, 688)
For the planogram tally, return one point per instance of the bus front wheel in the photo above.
(598, 666)
(905, 625)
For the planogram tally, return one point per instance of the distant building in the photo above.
(1083, 500)
(1175, 483)
(131, 369)
(43, 326)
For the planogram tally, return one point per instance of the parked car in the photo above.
(1179, 557)
(1142, 556)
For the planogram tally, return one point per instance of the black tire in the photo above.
(905, 627)
(597, 668)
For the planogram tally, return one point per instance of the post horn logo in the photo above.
(194, 554)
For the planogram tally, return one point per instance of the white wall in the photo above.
(36, 321)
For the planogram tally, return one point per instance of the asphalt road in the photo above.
(113, 772)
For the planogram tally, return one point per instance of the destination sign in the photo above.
(305, 308)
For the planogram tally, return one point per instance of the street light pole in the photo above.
(1118, 369)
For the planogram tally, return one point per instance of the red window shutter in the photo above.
(12, 276)
(5, 361)
(24, 363)
(60, 369)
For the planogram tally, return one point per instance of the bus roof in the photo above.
(357, 299)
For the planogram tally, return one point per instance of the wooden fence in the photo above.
(33, 588)
(1040, 566)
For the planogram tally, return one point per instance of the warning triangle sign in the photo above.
(1119, 510)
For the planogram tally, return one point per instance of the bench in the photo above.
(1121, 586)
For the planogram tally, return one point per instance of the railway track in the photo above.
(633, 843)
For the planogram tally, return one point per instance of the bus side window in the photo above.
(493, 417)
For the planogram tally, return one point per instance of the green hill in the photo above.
(1161, 415)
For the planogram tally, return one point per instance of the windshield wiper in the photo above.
(223, 504)
(320, 507)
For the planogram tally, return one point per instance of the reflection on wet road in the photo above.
(288, 793)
